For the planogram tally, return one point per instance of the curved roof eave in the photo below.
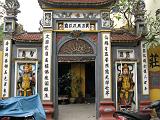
(62, 4)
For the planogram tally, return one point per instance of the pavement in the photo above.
(77, 112)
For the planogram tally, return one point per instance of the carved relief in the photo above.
(75, 34)
(76, 47)
(105, 16)
(106, 20)
(64, 15)
(90, 15)
(8, 26)
(69, 14)
(47, 19)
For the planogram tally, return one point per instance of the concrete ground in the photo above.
(77, 112)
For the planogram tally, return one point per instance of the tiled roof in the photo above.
(125, 37)
(29, 36)
(115, 37)
(76, 3)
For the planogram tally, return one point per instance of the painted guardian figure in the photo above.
(125, 87)
(26, 81)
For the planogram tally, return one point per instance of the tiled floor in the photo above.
(77, 112)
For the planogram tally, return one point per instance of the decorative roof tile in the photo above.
(29, 36)
(115, 37)
(124, 37)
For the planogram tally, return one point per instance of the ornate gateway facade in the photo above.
(109, 66)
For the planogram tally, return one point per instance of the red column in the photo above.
(106, 110)
(143, 104)
(49, 110)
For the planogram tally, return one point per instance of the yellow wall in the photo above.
(78, 71)
(1, 59)
(151, 7)
(154, 51)
(154, 92)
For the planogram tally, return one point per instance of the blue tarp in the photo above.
(22, 107)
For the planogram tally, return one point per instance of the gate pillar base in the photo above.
(106, 110)
(143, 104)
(49, 110)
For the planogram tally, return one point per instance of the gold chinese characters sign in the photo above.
(154, 59)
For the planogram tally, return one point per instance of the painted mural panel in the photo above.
(26, 78)
(126, 76)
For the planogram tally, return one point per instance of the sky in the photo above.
(30, 15)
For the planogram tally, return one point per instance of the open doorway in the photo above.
(76, 90)
(76, 82)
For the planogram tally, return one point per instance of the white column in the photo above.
(145, 77)
(6, 68)
(106, 57)
(46, 65)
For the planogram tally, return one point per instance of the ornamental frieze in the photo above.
(70, 14)
(76, 58)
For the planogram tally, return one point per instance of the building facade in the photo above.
(109, 65)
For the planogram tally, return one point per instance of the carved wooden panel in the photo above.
(92, 36)
(76, 47)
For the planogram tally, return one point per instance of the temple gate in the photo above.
(76, 33)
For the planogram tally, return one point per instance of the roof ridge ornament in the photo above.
(11, 7)
(76, 34)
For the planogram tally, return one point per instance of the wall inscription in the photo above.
(46, 63)
(6, 68)
(106, 48)
(145, 79)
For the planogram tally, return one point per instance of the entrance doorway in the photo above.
(76, 80)
(76, 89)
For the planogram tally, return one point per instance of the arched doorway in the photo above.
(76, 79)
